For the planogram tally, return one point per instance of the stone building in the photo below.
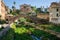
(25, 8)
(54, 12)
(3, 10)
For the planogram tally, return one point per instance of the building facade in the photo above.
(3, 10)
(25, 8)
(54, 13)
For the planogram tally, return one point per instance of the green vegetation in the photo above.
(54, 28)
(0, 29)
(9, 35)
(2, 21)
(45, 35)
(51, 27)
(46, 26)
(21, 32)
(22, 19)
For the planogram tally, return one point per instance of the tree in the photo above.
(17, 11)
(13, 7)
(38, 10)
(10, 11)
(14, 3)
(33, 8)
(46, 10)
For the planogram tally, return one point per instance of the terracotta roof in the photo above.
(55, 4)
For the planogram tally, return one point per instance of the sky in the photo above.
(37, 3)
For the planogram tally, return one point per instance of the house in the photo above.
(25, 8)
(3, 10)
(54, 13)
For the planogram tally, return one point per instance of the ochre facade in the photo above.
(3, 10)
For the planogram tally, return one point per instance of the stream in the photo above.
(35, 38)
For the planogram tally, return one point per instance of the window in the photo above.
(24, 6)
(57, 10)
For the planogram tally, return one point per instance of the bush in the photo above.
(2, 21)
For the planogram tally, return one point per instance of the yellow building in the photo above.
(3, 10)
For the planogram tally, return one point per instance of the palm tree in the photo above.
(14, 3)
(13, 8)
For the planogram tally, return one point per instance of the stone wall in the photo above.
(43, 16)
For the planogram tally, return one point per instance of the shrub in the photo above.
(2, 21)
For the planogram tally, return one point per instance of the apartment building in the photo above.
(54, 12)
